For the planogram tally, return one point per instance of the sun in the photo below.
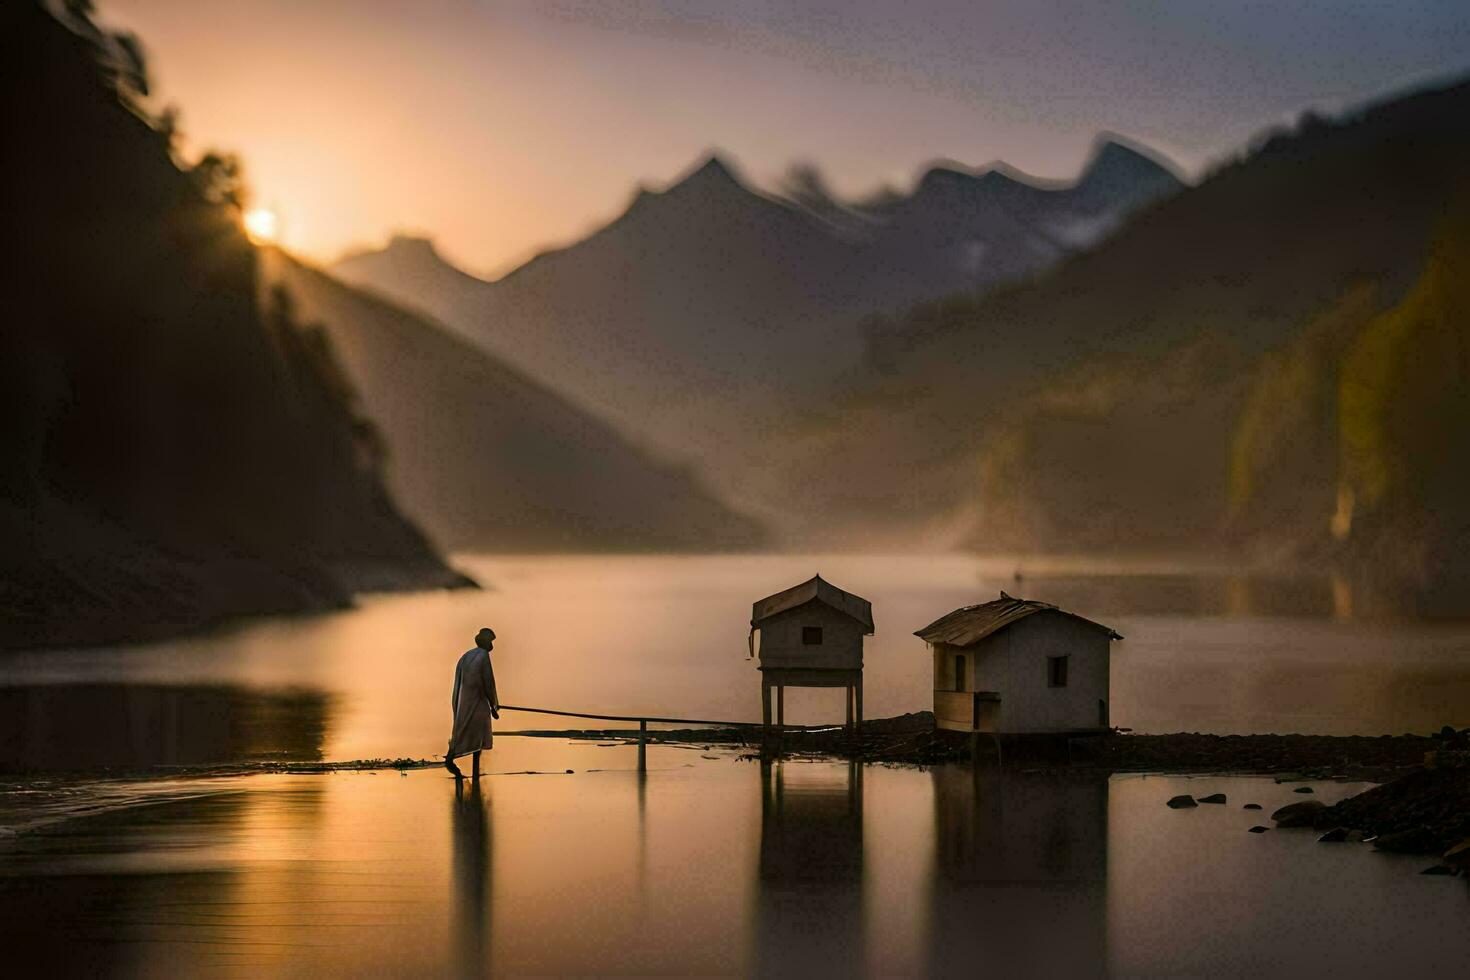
(261, 224)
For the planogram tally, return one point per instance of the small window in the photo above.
(959, 672)
(1056, 671)
(811, 636)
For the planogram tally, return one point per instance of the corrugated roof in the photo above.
(822, 591)
(970, 624)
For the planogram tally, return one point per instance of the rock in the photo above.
(1259, 829)
(1416, 840)
(1438, 869)
(1302, 814)
(1181, 802)
(1213, 798)
(1459, 855)
(1334, 836)
(1302, 789)
(1252, 806)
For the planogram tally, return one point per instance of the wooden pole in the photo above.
(848, 692)
(642, 744)
(860, 699)
(765, 713)
(781, 704)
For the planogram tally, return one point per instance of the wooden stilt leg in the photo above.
(848, 691)
(781, 704)
(860, 701)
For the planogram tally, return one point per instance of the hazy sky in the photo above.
(503, 128)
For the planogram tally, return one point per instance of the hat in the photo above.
(485, 637)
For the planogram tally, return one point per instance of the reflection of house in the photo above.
(1018, 665)
(811, 636)
(809, 910)
(1020, 873)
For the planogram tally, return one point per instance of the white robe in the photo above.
(474, 695)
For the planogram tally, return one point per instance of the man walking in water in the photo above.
(474, 701)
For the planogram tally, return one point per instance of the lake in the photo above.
(705, 863)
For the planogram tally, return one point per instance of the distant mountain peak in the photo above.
(944, 174)
(714, 174)
(714, 168)
(950, 177)
(712, 183)
(407, 245)
(1117, 158)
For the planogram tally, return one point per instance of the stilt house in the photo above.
(1015, 666)
(811, 635)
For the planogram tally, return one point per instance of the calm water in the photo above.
(716, 866)
(706, 864)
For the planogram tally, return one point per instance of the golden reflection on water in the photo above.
(698, 865)
(712, 867)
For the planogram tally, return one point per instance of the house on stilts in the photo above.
(811, 635)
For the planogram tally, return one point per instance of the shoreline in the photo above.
(912, 740)
(1421, 803)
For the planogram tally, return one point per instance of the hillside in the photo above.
(706, 314)
(175, 451)
(1265, 362)
(487, 458)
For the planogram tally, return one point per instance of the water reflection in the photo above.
(224, 881)
(471, 856)
(809, 911)
(137, 726)
(1019, 885)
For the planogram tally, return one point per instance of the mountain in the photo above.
(174, 450)
(962, 230)
(488, 458)
(1272, 362)
(707, 313)
(705, 287)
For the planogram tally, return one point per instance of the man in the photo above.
(474, 702)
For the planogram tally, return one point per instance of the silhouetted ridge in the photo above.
(714, 172)
(506, 463)
(413, 248)
(1261, 362)
(1114, 157)
(1118, 167)
(179, 446)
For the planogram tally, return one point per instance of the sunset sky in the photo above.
(503, 128)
